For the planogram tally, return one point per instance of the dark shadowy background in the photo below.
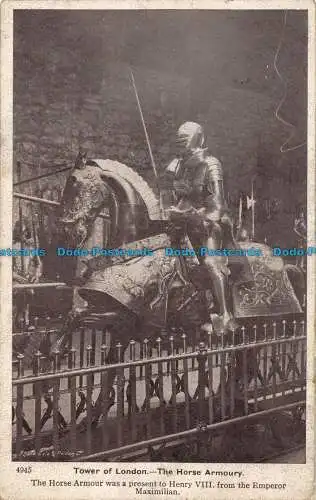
(72, 90)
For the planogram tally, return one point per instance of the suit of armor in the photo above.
(200, 203)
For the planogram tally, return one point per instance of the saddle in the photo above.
(142, 283)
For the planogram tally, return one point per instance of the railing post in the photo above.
(201, 359)
(105, 396)
(158, 347)
(38, 394)
(56, 360)
(274, 326)
(20, 358)
(120, 395)
(81, 353)
(303, 362)
(233, 337)
(93, 345)
(71, 363)
(294, 328)
(131, 392)
(245, 370)
(265, 361)
(231, 375)
(72, 358)
(203, 411)
(103, 354)
(243, 333)
(256, 361)
(173, 386)
(223, 377)
(184, 342)
(185, 382)
(73, 399)
(283, 354)
(255, 333)
(160, 388)
(119, 352)
(56, 396)
(89, 401)
(171, 353)
(19, 408)
(19, 178)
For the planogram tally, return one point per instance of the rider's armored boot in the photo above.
(223, 322)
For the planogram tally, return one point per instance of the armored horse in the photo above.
(136, 295)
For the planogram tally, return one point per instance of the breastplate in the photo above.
(190, 182)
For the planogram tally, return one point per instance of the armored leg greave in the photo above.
(219, 286)
(218, 272)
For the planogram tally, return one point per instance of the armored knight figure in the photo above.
(200, 204)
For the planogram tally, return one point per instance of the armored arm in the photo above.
(215, 202)
(167, 182)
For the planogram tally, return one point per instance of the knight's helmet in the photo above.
(190, 136)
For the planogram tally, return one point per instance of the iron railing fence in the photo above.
(161, 391)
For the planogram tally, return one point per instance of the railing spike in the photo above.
(274, 325)
(72, 357)
(132, 349)
(159, 340)
(145, 342)
(171, 344)
(119, 352)
(103, 354)
(233, 336)
(56, 354)
(243, 332)
(265, 331)
(222, 339)
(20, 358)
(89, 354)
(210, 333)
(184, 340)
(283, 328)
(37, 356)
(255, 333)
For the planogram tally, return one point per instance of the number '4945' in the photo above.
(26, 469)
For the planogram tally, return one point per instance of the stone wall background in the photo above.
(72, 91)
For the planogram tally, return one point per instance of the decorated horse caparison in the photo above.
(136, 296)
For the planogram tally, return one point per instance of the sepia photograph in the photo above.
(161, 244)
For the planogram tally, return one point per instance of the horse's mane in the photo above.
(138, 183)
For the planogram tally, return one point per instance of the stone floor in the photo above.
(293, 457)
